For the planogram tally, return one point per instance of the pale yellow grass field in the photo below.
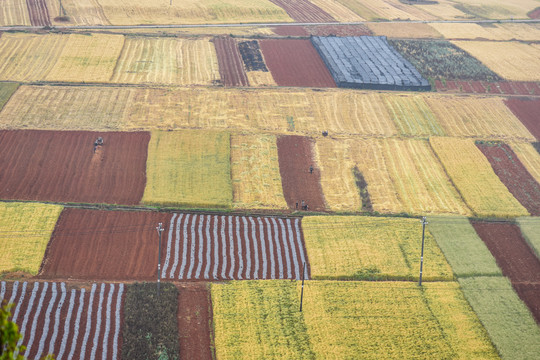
(338, 11)
(80, 12)
(507, 31)
(29, 57)
(14, 12)
(496, 9)
(134, 12)
(387, 9)
(260, 78)
(25, 230)
(480, 117)
(530, 158)
(404, 30)
(87, 58)
(510, 60)
(66, 108)
(475, 179)
(445, 10)
(167, 61)
(255, 173)
(401, 176)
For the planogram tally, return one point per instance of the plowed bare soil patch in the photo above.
(62, 166)
(512, 253)
(92, 244)
(295, 62)
(528, 112)
(295, 155)
(535, 14)
(513, 174)
(304, 11)
(39, 13)
(231, 68)
(195, 321)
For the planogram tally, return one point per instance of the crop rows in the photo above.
(231, 67)
(304, 11)
(39, 12)
(71, 324)
(14, 12)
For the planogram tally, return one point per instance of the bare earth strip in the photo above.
(14, 12)
(304, 11)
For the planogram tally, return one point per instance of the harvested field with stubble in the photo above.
(14, 12)
(304, 11)
(231, 67)
(387, 9)
(529, 157)
(300, 187)
(505, 31)
(167, 61)
(403, 29)
(526, 110)
(255, 173)
(87, 12)
(61, 166)
(38, 12)
(295, 62)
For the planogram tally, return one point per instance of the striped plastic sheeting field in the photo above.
(71, 324)
(233, 247)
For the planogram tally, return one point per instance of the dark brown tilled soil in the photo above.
(231, 67)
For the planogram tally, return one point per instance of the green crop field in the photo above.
(530, 228)
(6, 90)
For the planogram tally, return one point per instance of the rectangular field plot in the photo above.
(87, 58)
(338, 11)
(530, 228)
(368, 62)
(412, 115)
(189, 168)
(506, 31)
(387, 9)
(510, 60)
(529, 157)
(29, 57)
(370, 248)
(304, 11)
(255, 173)
(14, 12)
(68, 321)
(167, 61)
(231, 66)
(81, 12)
(396, 30)
(526, 110)
(474, 178)
(62, 166)
(6, 91)
(25, 230)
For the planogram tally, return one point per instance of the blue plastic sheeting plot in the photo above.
(368, 62)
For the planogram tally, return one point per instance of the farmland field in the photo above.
(489, 87)
(38, 12)
(386, 9)
(338, 11)
(29, 57)
(6, 91)
(396, 30)
(513, 174)
(69, 321)
(14, 12)
(474, 178)
(67, 108)
(412, 115)
(337, 30)
(25, 230)
(87, 58)
(189, 168)
(507, 31)
(527, 111)
(80, 12)
(392, 320)
(295, 63)
(530, 228)
(231, 67)
(461, 246)
(304, 11)
(370, 248)
(61, 166)
(255, 173)
(260, 78)
(510, 60)
(167, 61)
(480, 117)
(529, 157)
(494, 9)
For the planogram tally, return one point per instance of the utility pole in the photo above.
(302, 292)
(424, 223)
(159, 229)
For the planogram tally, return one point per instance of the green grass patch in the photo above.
(6, 90)
(464, 250)
(150, 323)
(530, 228)
(189, 168)
(507, 320)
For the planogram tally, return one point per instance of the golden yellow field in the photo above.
(401, 30)
(87, 58)
(401, 176)
(338, 11)
(29, 57)
(475, 179)
(412, 115)
(506, 31)
(444, 9)
(530, 158)
(510, 60)
(260, 78)
(66, 108)
(189, 168)
(14, 12)
(496, 9)
(474, 116)
(371, 248)
(134, 12)
(255, 173)
(80, 12)
(387, 9)
(25, 230)
(392, 320)
(167, 61)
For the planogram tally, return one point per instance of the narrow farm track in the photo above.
(231, 68)
(69, 321)
(39, 13)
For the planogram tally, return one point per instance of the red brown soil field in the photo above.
(62, 166)
(304, 11)
(535, 14)
(212, 247)
(295, 155)
(483, 87)
(513, 175)
(528, 112)
(513, 255)
(231, 67)
(111, 245)
(194, 321)
(530, 293)
(69, 321)
(295, 62)
(39, 13)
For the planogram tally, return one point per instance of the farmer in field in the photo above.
(311, 169)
